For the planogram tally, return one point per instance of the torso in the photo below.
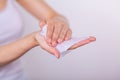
(10, 23)
(11, 28)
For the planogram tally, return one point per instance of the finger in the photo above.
(53, 51)
(68, 35)
(81, 43)
(92, 38)
(43, 44)
(42, 23)
(49, 33)
(62, 34)
(56, 33)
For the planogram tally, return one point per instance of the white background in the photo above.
(96, 61)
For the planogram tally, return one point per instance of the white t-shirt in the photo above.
(11, 27)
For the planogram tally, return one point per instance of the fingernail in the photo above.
(67, 39)
(59, 40)
(54, 44)
(57, 56)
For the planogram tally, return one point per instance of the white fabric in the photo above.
(10, 29)
(64, 46)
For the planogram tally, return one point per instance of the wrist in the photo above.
(33, 39)
(61, 17)
(52, 15)
(56, 17)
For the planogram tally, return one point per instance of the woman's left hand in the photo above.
(58, 30)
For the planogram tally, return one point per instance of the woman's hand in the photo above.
(58, 27)
(58, 30)
(44, 45)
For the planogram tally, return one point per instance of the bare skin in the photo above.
(42, 11)
(43, 44)
(58, 27)
(2, 4)
(16, 49)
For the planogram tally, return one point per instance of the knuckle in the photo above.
(65, 24)
(66, 28)
(58, 26)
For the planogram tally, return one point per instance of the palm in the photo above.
(43, 44)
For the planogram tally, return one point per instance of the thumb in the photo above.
(56, 53)
(53, 51)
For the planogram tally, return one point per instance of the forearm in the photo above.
(58, 26)
(13, 51)
(38, 8)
